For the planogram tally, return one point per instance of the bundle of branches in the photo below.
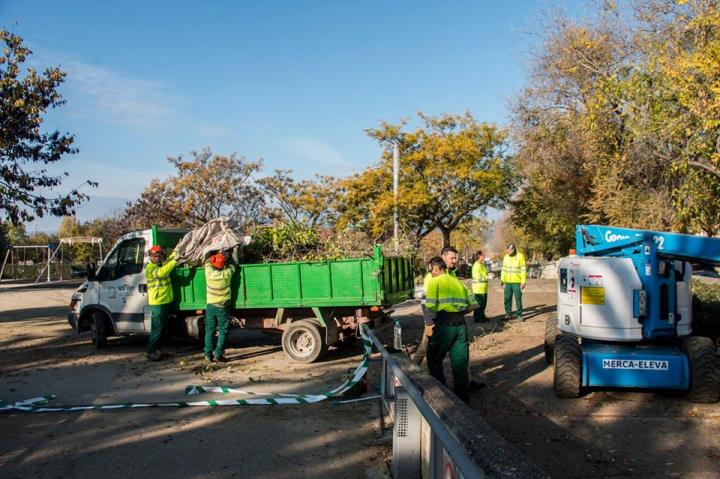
(298, 242)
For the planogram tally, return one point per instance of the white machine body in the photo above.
(598, 296)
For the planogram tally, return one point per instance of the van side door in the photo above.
(123, 288)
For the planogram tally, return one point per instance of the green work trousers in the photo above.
(510, 290)
(158, 324)
(479, 313)
(452, 339)
(216, 316)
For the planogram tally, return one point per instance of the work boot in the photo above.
(476, 385)
(154, 356)
(219, 359)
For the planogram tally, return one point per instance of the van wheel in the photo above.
(303, 341)
(98, 330)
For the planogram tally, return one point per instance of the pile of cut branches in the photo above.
(297, 242)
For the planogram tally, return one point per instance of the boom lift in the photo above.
(625, 314)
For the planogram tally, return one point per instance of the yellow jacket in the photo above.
(158, 282)
(217, 283)
(479, 278)
(514, 269)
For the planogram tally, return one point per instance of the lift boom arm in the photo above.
(596, 240)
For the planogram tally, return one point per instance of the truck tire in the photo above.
(568, 367)
(303, 341)
(551, 332)
(704, 369)
(98, 330)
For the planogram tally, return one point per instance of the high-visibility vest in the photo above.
(451, 272)
(479, 278)
(158, 282)
(447, 293)
(514, 269)
(217, 283)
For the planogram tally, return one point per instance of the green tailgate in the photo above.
(354, 282)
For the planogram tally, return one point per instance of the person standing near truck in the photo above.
(160, 295)
(218, 276)
(480, 286)
(446, 303)
(513, 278)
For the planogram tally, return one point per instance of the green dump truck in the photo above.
(314, 304)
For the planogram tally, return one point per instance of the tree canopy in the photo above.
(618, 123)
(25, 97)
(452, 168)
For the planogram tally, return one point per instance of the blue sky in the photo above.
(292, 82)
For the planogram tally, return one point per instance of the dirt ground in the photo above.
(41, 355)
(603, 434)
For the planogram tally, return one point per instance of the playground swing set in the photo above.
(24, 259)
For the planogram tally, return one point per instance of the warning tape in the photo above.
(38, 404)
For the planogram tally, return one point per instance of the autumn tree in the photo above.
(204, 187)
(25, 149)
(157, 205)
(611, 120)
(452, 168)
(308, 202)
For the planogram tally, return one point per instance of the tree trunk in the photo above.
(445, 235)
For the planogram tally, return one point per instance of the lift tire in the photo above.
(98, 330)
(551, 332)
(568, 367)
(303, 341)
(704, 369)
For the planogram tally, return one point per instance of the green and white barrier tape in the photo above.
(38, 404)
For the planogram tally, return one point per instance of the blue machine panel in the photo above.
(661, 367)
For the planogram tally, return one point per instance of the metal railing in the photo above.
(423, 446)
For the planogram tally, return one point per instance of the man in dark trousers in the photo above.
(447, 300)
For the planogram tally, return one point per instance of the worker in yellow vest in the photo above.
(218, 275)
(513, 278)
(446, 303)
(160, 295)
(480, 286)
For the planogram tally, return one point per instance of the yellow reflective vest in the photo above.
(158, 282)
(479, 278)
(217, 283)
(447, 293)
(514, 269)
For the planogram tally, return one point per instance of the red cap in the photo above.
(217, 260)
(155, 250)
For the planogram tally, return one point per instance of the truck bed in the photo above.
(353, 282)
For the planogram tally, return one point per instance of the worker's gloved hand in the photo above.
(429, 330)
(522, 286)
(171, 256)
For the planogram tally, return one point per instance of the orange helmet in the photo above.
(218, 260)
(155, 250)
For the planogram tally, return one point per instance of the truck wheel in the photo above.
(568, 367)
(98, 330)
(704, 369)
(303, 341)
(551, 331)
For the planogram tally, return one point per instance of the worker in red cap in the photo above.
(218, 275)
(160, 295)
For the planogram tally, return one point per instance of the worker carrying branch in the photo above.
(218, 276)
(160, 296)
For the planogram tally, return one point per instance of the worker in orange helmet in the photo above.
(160, 295)
(218, 275)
